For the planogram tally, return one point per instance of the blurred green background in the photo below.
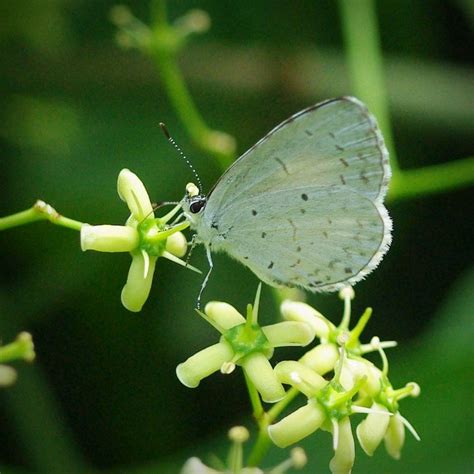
(102, 394)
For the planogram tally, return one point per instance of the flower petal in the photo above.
(177, 244)
(133, 192)
(371, 431)
(322, 358)
(289, 333)
(203, 364)
(344, 456)
(395, 436)
(224, 314)
(296, 426)
(298, 311)
(108, 238)
(303, 378)
(261, 373)
(136, 290)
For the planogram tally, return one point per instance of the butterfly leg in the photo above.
(204, 283)
(192, 244)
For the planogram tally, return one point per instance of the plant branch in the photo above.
(407, 184)
(166, 43)
(40, 211)
(364, 55)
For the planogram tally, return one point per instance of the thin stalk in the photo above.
(408, 184)
(164, 51)
(263, 442)
(40, 211)
(364, 56)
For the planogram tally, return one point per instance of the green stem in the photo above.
(38, 423)
(364, 55)
(165, 46)
(263, 442)
(433, 179)
(40, 211)
(257, 407)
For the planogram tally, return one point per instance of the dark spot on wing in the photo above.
(294, 228)
(270, 265)
(298, 249)
(296, 263)
(302, 210)
(214, 226)
(339, 147)
(363, 177)
(325, 234)
(304, 196)
(282, 164)
(263, 235)
(343, 181)
(329, 221)
(310, 134)
(348, 270)
(246, 258)
(331, 134)
(344, 162)
(254, 212)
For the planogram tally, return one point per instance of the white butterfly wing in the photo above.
(319, 238)
(334, 143)
(314, 186)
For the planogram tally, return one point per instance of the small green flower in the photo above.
(21, 348)
(384, 421)
(146, 238)
(238, 435)
(243, 342)
(328, 407)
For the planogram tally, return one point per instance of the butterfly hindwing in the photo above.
(319, 238)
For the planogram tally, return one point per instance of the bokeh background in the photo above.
(102, 395)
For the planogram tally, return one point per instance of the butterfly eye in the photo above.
(197, 205)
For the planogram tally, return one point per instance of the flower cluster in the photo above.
(144, 236)
(355, 385)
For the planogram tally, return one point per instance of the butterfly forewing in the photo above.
(336, 143)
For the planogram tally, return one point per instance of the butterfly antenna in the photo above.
(171, 140)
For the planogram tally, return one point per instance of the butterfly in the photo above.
(304, 206)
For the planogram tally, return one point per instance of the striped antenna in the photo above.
(171, 140)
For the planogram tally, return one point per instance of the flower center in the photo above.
(247, 339)
(150, 239)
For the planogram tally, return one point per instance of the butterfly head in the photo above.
(193, 203)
